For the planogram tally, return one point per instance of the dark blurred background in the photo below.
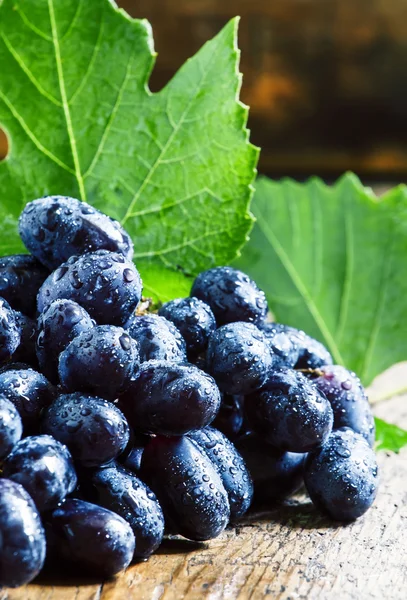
(326, 80)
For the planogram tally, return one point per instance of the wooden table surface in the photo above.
(288, 552)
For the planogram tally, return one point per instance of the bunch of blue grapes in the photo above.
(118, 425)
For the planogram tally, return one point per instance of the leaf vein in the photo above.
(27, 71)
(73, 22)
(299, 284)
(31, 26)
(91, 63)
(32, 136)
(68, 118)
(165, 147)
(110, 120)
(185, 244)
(347, 280)
(159, 209)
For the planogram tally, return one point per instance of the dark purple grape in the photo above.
(25, 352)
(188, 487)
(230, 465)
(94, 429)
(132, 460)
(44, 467)
(289, 412)
(341, 476)
(29, 391)
(11, 427)
(231, 294)
(122, 492)
(230, 418)
(194, 319)
(170, 399)
(55, 228)
(285, 348)
(309, 353)
(22, 538)
(275, 473)
(312, 354)
(21, 272)
(348, 399)
(94, 538)
(104, 283)
(238, 358)
(157, 338)
(57, 327)
(10, 336)
(102, 361)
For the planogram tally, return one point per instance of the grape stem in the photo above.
(316, 372)
(144, 306)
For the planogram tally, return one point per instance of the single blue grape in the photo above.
(230, 465)
(21, 276)
(93, 538)
(289, 412)
(57, 326)
(122, 492)
(285, 348)
(10, 335)
(311, 353)
(230, 418)
(131, 460)
(157, 338)
(44, 467)
(231, 294)
(194, 319)
(55, 228)
(238, 358)
(348, 399)
(102, 361)
(94, 429)
(170, 399)
(104, 283)
(25, 351)
(11, 426)
(188, 487)
(29, 391)
(341, 476)
(22, 546)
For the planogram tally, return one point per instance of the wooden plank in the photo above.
(288, 552)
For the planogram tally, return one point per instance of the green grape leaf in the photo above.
(174, 167)
(389, 436)
(332, 260)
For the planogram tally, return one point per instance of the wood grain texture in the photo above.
(288, 552)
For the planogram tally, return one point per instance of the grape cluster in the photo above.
(108, 415)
